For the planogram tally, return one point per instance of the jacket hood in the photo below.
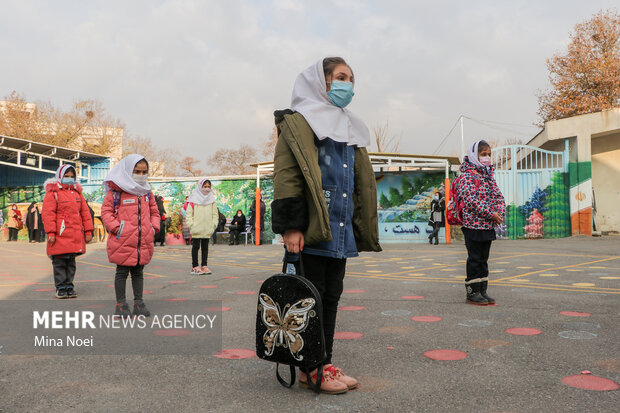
(54, 185)
(468, 166)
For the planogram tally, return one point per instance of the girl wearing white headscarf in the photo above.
(484, 208)
(202, 219)
(68, 225)
(130, 215)
(325, 196)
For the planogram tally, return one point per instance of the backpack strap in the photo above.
(287, 384)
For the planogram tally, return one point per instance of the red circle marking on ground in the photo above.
(523, 331)
(28, 283)
(260, 281)
(446, 354)
(14, 278)
(412, 297)
(178, 270)
(588, 382)
(235, 353)
(176, 282)
(347, 335)
(351, 308)
(110, 285)
(426, 318)
(354, 291)
(175, 299)
(150, 277)
(245, 292)
(217, 309)
(230, 278)
(173, 332)
(44, 290)
(147, 292)
(156, 267)
(575, 314)
(207, 286)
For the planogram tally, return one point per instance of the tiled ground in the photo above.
(558, 315)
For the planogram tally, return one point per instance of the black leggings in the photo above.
(327, 275)
(200, 243)
(137, 282)
(477, 259)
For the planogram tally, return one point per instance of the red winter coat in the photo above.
(482, 197)
(66, 216)
(133, 244)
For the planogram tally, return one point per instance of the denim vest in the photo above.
(336, 160)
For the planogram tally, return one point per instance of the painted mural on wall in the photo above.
(404, 205)
(545, 215)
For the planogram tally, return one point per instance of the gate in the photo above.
(535, 185)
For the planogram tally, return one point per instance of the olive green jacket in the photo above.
(299, 201)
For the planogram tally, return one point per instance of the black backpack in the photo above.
(289, 324)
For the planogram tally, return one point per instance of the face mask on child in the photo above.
(67, 181)
(485, 160)
(435, 196)
(206, 190)
(340, 93)
(239, 214)
(140, 178)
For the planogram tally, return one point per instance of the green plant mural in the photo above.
(557, 215)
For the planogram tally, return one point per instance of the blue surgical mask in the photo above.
(67, 181)
(341, 93)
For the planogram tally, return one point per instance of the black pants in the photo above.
(64, 271)
(13, 234)
(235, 237)
(477, 258)
(435, 233)
(137, 282)
(327, 275)
(200, 243)
(34, 235)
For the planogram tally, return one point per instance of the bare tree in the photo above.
(269, 145)
(188, 166)
(385, 142)
(161, 162)
(233, 161)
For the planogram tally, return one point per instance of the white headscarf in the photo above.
(198, 198)
(472, 154)
(62, 170)
(326, 119)
(122, 173)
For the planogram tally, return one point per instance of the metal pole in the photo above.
(447, 199)
(257, 209)
(462, 139)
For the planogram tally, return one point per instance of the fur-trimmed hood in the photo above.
(54, 185)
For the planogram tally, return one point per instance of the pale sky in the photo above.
(203, 75)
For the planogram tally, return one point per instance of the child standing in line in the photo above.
(484, 208)
(202, 219)
(325, 194)
(130, 215)
(68, 226)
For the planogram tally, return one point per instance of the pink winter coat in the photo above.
(132, 244)
(66, 216)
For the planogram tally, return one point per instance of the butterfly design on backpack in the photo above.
(284, 330)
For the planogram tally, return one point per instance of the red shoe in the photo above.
(329, 384)
(341, 377)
